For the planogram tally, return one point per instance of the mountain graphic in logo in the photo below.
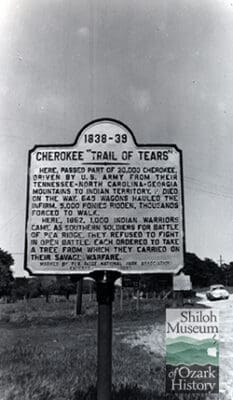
(187, 350)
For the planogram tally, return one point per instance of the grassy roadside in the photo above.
(48, 354)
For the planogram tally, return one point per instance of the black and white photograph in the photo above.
(116, 217)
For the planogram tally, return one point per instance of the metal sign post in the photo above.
(105, 297)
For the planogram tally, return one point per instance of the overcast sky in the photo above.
(163, 67)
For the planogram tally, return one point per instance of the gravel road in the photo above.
(225, 308)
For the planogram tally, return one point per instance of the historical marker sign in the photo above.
(182, 282)
(104, 203)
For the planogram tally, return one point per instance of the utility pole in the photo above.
(220, 260)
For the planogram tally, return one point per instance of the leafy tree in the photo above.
(65, 286)
(48, 286)
(214, 273)
(227, 271)
(34, 288)
(202, 272)
(6, 276)
(194, 267)
(20, 288)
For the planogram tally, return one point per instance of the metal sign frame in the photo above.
(137, 146)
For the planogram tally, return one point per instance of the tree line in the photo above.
(202, 272)
(15, 288)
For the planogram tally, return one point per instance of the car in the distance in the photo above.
(217, 292)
